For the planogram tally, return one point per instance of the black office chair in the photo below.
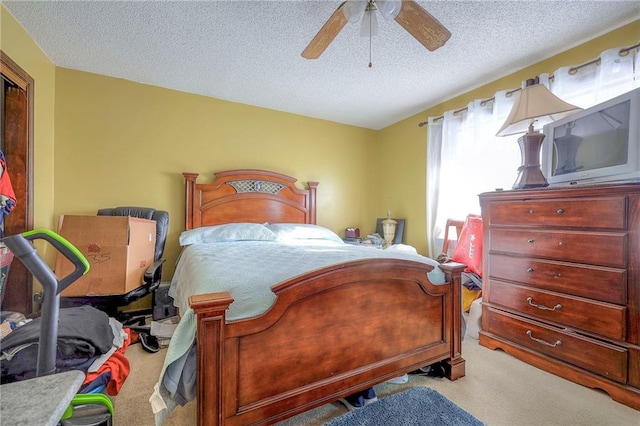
(111, 304)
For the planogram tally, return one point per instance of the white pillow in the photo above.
(227, 232)
(303, 231)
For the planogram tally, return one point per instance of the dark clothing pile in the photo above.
(84, 334)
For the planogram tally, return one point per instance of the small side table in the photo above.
(39, 401)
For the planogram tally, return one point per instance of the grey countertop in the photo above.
(39, 401)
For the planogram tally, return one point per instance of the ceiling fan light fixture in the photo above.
(425, 28)
(389, 9)
(353, 10)
(369, 27)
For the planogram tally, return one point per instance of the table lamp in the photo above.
(534, 104)
(389, 230)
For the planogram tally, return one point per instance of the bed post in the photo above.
(455, 366)
(190, 192)
(210, 311)
(312, 202)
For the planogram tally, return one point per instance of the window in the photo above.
(465, 158)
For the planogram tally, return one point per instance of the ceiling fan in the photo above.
(409, 14)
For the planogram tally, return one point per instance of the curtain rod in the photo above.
(623, 52)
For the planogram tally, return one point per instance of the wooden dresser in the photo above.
(561, 285)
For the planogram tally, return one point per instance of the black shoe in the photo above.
(149, 343)
(353, 402)
(437, 370)
(369, 396)
(424, 371)
(433, 370)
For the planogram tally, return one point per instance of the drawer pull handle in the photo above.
(542, 307)
(557, 343)
(529, 270)
(530, 211)
(530, 240)
(560, 211)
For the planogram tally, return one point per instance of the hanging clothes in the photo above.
(7, 196)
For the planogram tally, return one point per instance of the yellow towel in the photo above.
(468, 296)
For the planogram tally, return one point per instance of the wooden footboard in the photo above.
(331, 332)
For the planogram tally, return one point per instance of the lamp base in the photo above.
(530, 177)
(529, 174)
(389, 231)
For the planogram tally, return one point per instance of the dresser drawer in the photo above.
(592, 282)
(600, 318)
(598, 357)
(595, 248)
(601, 212)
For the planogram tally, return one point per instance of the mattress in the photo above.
(247, 270)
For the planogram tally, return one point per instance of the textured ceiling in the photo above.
(249, 51)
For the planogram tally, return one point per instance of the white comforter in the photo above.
(248, 270)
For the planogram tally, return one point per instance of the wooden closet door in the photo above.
(17, 146)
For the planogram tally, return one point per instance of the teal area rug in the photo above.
(415, 407)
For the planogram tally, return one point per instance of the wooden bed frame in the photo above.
(331, 332)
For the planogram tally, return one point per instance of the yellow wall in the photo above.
(17, 44)
(124, 143)
(119, 142)
(402, 146)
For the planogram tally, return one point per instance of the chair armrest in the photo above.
(153, 271)
(151, 281)
(153, 274)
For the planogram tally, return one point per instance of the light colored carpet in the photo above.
(497, 389)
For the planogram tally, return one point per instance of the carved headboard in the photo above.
(248, 196)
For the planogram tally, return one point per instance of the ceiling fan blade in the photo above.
(422, 25)
(325, 36)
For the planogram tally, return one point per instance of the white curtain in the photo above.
(597, 82)
(465, 158)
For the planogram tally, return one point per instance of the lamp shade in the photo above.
(534, 103)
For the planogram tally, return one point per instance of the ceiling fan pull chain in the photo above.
(370, 31)
(370, 52)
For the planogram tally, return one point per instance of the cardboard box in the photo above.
(119, 250)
